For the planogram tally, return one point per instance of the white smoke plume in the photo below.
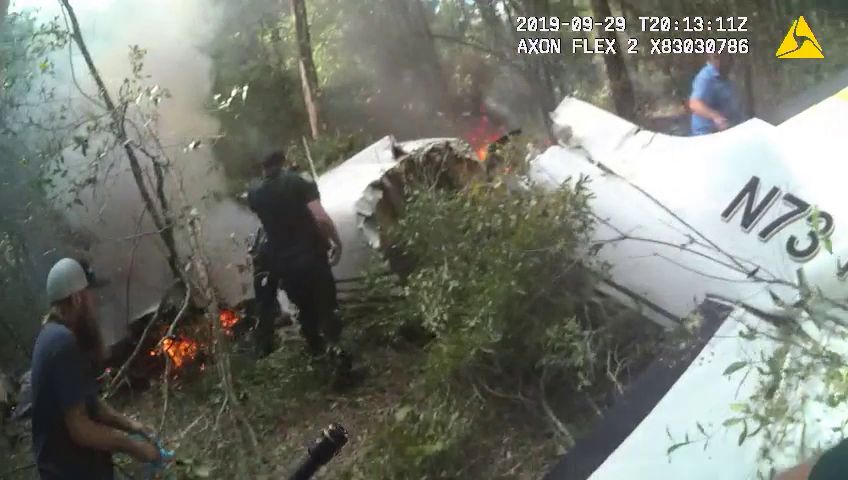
(173, 33)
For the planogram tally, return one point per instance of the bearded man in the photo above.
(74, 432)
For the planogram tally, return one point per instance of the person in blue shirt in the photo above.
(713, 102)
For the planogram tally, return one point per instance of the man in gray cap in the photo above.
(74, 432)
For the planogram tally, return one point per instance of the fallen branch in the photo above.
(189, 427)
(167, 375)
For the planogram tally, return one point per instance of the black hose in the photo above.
(331, 442)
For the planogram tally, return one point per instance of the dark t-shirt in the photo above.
(63, 377)
(280, 202)
(833, 465)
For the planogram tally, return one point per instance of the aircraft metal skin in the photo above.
(719, 218)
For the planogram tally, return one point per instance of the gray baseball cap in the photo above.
(69, 276)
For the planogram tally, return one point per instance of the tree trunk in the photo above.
(622, 88)
(535, 73)
(308, 74)
(164, 226)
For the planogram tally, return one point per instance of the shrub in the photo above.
(502, 284)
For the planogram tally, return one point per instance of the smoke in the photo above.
(125, 251)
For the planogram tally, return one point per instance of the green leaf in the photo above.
(739, 407)
(828, 245)
(732, 421)
(675, 447)
(734, 367)
(744, 434)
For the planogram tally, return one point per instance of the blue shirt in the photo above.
(62, 378)
(717, 93)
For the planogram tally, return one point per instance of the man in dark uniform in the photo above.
(301, 246)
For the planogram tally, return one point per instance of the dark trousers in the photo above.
(309, 284)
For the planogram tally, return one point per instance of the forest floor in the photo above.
(288, 403)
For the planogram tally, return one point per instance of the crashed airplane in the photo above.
(720, 234)
(709, 233)
(741, 230)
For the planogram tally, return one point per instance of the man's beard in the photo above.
(89, 338)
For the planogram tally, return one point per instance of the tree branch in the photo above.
(130, 267)
(166, 376)
(120, 132)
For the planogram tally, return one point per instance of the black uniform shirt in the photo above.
(280, 202)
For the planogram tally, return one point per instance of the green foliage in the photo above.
(26, 224)
(502, 291)
(428, 440)
(482, 255)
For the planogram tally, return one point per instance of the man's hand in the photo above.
(145, 452)
(107, 415)
(335, 254)
(142, 429)
(721, 123)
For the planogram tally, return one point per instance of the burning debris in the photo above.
(181, 350)
(484, 133)
(229, 319)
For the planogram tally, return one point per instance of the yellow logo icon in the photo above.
(799, 42)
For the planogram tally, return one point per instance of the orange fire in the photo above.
(180, 350)
(228, 318)
(482, 135)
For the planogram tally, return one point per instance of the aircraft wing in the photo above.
(720, 219)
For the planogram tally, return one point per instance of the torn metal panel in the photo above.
(342, 190)
(445, 162)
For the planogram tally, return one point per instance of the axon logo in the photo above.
(794, 209)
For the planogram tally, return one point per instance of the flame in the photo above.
(228, 318)
(180, 350)
(482, 135)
